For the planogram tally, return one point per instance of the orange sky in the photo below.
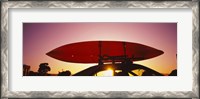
(40, 38)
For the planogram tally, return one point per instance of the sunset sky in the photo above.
(40, 38)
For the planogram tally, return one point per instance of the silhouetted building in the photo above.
(26, 69)
(31, 73)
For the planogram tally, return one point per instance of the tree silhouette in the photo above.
(43, 69)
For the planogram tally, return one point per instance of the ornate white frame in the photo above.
(5, 93)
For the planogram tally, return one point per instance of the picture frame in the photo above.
(6, 5)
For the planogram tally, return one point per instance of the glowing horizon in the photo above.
(40, 38)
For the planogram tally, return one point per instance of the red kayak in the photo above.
(89, 52)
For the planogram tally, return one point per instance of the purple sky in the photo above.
(40, 38)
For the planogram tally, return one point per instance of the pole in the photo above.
(100, 48)
(100, 56)
(124, 45)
